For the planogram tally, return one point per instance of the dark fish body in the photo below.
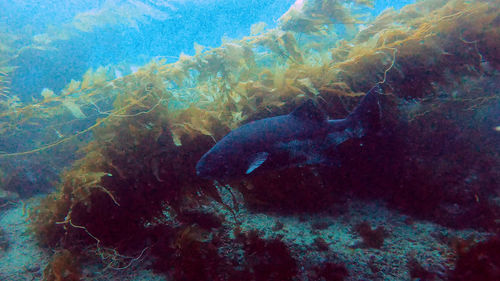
(303, 137)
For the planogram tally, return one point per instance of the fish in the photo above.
(301, 138)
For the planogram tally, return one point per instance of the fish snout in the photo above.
(201, 168)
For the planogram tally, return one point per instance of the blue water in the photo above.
(173, 29)
(124, 34)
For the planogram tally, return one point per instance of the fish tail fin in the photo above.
(365, 119)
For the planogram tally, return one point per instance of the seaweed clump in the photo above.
(416, 270)
(190, 255)
(115, 198)
(64, 266)
(480, 262)
(372, 238)
(268, 259)
(328, 271)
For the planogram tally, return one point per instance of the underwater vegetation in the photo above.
(480, 262)
(133, 191)
(63, 267)
(373, 238)
(328, 271)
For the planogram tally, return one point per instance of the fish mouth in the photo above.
(201, 174)
(204, 172)
(200, 170)
(204, 176)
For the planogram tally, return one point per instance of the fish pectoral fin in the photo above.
(337, 138)
(258, 159)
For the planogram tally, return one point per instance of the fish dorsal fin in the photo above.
(258, 159)
(309, 111)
